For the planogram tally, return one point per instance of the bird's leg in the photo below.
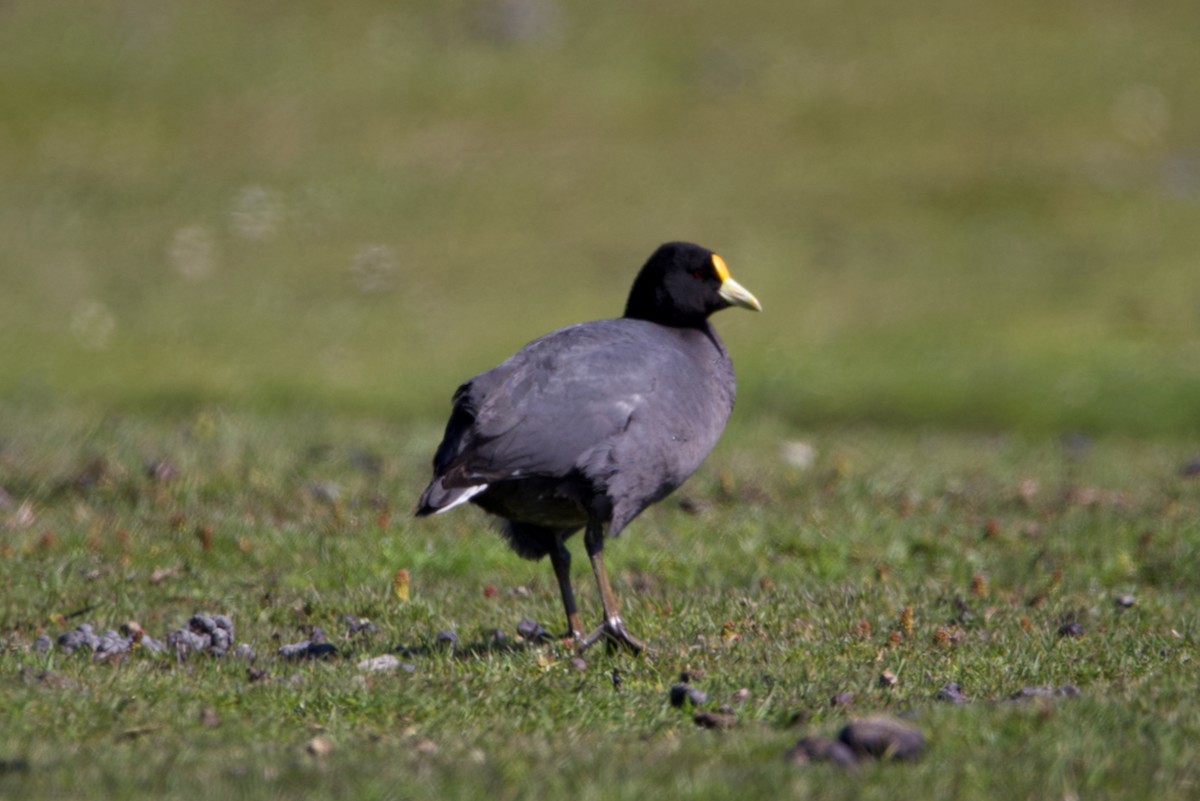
(560, 558)
(612, 630)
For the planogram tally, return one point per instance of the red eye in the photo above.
(698, 274)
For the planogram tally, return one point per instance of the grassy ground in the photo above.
(790, 583)
(258, 245)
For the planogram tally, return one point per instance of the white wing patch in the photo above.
(468, 494)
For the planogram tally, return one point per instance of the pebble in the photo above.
(684, 692)
(383, 663)
(533, 631)
(447, 637)
(43, 644)
(951, 692)
(883, 738)
(1070, 629)
(714, 720)
(820, 749)
(1124, 601)
(319, 746)
(307, 649)
(81, 636)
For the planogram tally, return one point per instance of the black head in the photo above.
(682, 284)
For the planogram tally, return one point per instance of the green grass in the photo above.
(265, 241)
(983, 219)
(789, 583)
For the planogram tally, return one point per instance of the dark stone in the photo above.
(533, 631)
(307, 649)
(820, 749)
(714, 720)
(883, 738)
(1070, 629)
(951, 692)
(683, 692)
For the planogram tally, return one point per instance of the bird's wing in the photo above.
(547, 409)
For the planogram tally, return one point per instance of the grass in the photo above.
(790, 583)
(984, 220)
(261, 243)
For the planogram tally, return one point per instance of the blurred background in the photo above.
(982, 215)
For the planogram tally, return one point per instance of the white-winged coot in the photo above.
(589, 425)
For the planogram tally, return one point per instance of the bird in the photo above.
(587, 426)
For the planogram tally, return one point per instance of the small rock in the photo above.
(307, 649)
(244, 652)
(185, 642)
(221, 641)
(1190, 469)
(359, 625)
(951, 692)
(81, 637)
(161, 470)
(152, 645)
(888, 679)
(325, 492)
(798, 454)
(714, 720)
(820, 749)
(380, 664)
(842, 699)
(1070, 629)
(42, 644)
(741, 695)
(111, 644)
(319, 746)
(256, 674)
(447, 637)
(533, 631)
(209, 719)
(1124, 601)
(683, 692)
(883, 738)
(578, 664)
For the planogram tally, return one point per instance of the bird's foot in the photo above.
(615, 636)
